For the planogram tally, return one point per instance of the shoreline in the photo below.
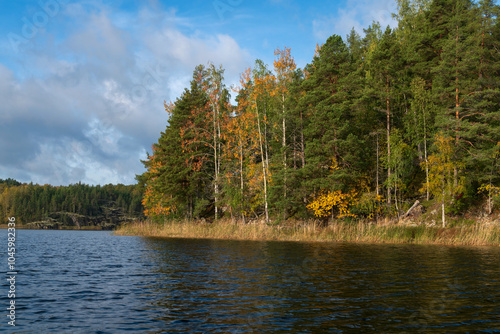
(61, 228)
(356, 232)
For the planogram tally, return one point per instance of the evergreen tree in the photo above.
(383, 67)
(178, 176)
(483, 104)
(390, 100)
(331, 141)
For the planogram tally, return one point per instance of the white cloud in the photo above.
(68, 161)
(183, 52)
(358, 14)
(105, 138)
(90, 102)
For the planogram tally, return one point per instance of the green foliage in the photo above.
(359, 119)
(369, 205)
(30, 202)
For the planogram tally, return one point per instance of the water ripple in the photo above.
(94, 282)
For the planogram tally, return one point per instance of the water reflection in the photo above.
(303, 287)
(94, 282)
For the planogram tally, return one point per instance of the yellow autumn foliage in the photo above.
(156, 204)
(326, 201)
(489, 189)
(442, 168)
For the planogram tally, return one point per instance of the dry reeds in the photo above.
(477, 234)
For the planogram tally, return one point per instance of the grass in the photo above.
(476, 234)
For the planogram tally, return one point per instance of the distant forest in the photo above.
(373, 123)
(103, 204)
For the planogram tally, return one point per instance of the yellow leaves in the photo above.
(155, 167)
(325, 202)
(317, 50)
(169, 107)
(334, 165)
(156, 204)
(445, 145)
(489, 189)
(262, 85)
(443, 169)
(284, 66)
(441, 162)
(285, 61)
(254, 186)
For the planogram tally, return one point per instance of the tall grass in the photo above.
(478, 234)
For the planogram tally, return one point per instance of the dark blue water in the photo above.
(95, 282)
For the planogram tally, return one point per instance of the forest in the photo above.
(76, 204)
(370, 125)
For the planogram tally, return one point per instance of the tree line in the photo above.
(373, 123)
(32, 202)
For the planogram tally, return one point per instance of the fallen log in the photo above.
(416, 204)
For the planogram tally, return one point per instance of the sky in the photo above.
(82, 83)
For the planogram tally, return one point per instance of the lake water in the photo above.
(95, 282)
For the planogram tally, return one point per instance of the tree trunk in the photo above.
(264, 172)
(426, 160)
(388, 147)
(377, 177)
(302, 146)
(241, 180)
(444, 220)
(216, 157)
(417, 202)
(442, 205)
(283, 146)
(457, 109)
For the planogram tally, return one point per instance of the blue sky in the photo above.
(82, 83)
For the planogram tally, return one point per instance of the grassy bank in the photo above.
(476, 234)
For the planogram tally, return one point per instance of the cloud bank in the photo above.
(83, 97)
(357, 14)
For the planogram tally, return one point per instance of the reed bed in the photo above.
(361, 232)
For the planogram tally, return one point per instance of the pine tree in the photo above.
(420, 122)
(178, 175)
(329, 131)
(383, 65)
(332, 142)
(483, 104)
(455, 78)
